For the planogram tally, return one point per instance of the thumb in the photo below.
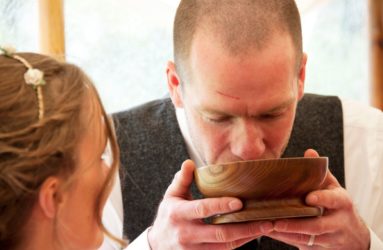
(182, 180)
(311, 153)
(330, 181)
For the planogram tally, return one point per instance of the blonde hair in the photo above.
(31, 150)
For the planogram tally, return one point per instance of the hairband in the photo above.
(34, 77)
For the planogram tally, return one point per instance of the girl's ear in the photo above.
(50, 196)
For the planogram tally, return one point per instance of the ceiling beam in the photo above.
(52, 38)
(376, 52)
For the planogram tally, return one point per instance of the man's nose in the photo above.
(248, 141)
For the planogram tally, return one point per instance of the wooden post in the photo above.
(376, 52)
(52, 39)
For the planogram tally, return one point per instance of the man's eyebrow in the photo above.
(212, 112)
(281, 106)
(221, 113)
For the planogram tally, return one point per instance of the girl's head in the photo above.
(53, 179)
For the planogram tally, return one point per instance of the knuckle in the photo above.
(332, 202)
(221, 206)
(231, 245)
(182, 238)
(172, 214)
(303, 238)
(344, 199)
(220, 235)
(253, 229)
(216, 207)
(282, 225)
(349, 205)
(200, 210)
(172, 218)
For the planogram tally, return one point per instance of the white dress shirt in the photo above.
(363, 152)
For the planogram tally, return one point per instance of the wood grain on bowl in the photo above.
(269, 188)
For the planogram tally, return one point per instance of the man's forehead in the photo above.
(207, 51)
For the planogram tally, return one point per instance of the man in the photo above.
(236, 93)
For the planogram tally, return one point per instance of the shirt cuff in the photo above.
(375, 242)
(140, 243)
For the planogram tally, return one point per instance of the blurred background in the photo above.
(124, 45)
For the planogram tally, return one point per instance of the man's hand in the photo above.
(179, 223)
(340, 227)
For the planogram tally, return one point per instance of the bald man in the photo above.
(236, 91)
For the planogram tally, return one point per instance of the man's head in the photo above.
(239, 72)
(238, 25)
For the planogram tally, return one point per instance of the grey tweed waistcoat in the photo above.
(153, 149)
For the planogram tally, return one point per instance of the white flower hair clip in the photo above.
(8, 50)
(34, 77)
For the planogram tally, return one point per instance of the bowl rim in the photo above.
(266, 160)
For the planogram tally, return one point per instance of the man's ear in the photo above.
(174, 85)
(49, 196)
(302, 76)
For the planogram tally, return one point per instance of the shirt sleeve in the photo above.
(363, 149)
(140, 243)
(375, 243)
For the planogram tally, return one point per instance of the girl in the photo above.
(54, 181)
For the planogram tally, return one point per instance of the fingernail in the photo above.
(235, 205)
(266, 227)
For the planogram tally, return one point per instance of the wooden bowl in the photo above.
(270, 189)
